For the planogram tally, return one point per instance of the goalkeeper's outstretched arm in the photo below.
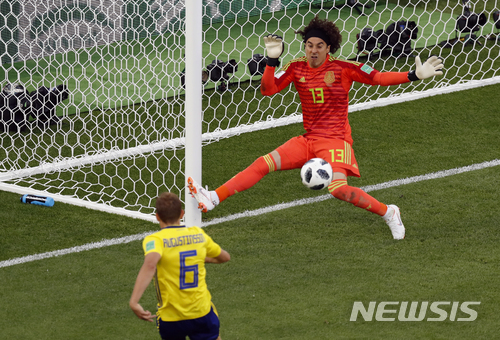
(269, 83)
(431, 68)
(274, 49)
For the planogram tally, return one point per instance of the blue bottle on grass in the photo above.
(38, 200)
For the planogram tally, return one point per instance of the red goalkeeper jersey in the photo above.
(324, 92)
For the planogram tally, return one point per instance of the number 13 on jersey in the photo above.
(317, 95)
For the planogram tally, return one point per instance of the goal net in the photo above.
(93, 93)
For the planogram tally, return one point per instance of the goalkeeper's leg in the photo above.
(250, 176)
(207, 200)
(291, 155)
(339, 189)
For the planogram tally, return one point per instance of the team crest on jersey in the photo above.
(329, 78)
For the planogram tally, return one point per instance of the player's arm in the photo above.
(215, 254)
(223, 257)
(432, 67)
(269, 84)
(144, 277)
(274, 49)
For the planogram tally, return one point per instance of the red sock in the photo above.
(247, 178)
(339, 189)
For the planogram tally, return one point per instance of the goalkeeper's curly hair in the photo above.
(327, 26)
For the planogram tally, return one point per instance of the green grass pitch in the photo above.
(135, 71)
(294, 273)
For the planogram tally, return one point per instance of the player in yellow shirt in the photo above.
(175, 257)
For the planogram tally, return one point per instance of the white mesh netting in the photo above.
(98, 115)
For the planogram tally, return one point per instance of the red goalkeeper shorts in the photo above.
(299, 150)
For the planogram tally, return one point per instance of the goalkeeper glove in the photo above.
(274, 48)
(432, 67)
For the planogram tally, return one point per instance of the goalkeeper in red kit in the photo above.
(323, 84)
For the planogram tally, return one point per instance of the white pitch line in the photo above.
(77, 249)
(385, 185)
(257, 212)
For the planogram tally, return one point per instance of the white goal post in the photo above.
(149, 82)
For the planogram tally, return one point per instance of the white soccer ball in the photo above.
(316, 174)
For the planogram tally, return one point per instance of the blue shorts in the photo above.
(204, 328)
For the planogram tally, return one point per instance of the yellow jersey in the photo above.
(181, 289)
